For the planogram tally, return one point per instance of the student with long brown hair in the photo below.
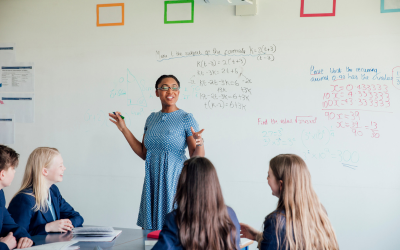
(299, 222)
(200, 220)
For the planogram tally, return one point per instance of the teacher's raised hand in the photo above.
(197, 136)
(117, 120)
(137, 146)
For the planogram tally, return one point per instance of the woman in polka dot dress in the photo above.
(167, 133)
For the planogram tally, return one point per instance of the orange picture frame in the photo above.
(110, 5)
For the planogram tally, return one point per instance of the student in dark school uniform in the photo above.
(38, 206)
(11, 234)
(200, 219)
(299, 222)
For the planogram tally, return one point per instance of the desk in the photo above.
(129, 239)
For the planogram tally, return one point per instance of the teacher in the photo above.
(167, 133)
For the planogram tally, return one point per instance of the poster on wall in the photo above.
(7, 52)
(19, 104)
(16, 77)
(7, 129)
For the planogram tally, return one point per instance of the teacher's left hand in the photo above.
(197, 136)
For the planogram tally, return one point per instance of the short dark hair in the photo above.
(8, 158)
(159, 80)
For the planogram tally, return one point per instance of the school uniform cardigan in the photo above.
(21, 209)
(267, 239)
(7, 224)
(169, 236)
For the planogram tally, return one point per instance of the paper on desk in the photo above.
(7, 52)
(54, 246)
(150, 242)
(19, 104)
(6, 129)
(98, 238)
(16, 77)
(94, 233)
(89, 230)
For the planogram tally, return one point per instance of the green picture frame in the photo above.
(166, 3)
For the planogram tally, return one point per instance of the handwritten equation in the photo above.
(347, 158)
(221, 77)
(315, 140)
(295, 120)
(351, 91)
(347, 73)
(352, 120)
(263, 52)
(277, 138)
(357, 96)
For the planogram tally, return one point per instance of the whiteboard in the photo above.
(259, 86)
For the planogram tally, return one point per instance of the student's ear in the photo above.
(157, 93)
(280, 185)
(2, 174)
(45, 172)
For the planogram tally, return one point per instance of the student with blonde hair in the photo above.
(38, 205)
(300, 222)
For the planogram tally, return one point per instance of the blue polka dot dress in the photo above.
(165, 141)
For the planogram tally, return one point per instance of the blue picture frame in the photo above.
(383, 10)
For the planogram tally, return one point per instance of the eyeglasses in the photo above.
(166, 88)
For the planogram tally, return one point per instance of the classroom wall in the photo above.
(83, 72)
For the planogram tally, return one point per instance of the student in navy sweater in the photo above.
(200, 220)
(299, 222)
(10, 232)
(38, 206)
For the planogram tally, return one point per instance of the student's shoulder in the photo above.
(170, 216)
(277, 214)
(55, 189)
(276, 219)
(231, 212)
(170, 219)
(2, 198)
(24, 196)
(232, 215)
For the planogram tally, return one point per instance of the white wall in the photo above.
(78, 65)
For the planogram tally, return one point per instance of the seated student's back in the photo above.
(12, 235)
(38, 206)
(300, 222)
(200, 220)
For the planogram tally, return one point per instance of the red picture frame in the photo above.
(317, 14)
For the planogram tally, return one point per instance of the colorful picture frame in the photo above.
(383, 10)
(166, 3)
(122, 5)
(317, 14)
